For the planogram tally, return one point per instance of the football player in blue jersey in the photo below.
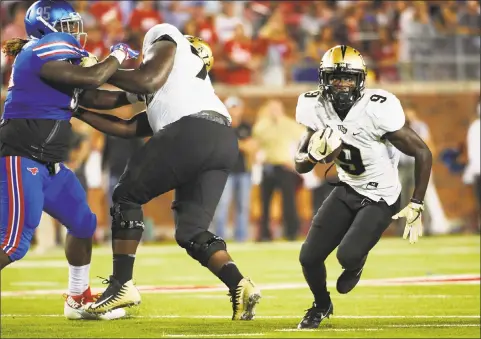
(45, 83)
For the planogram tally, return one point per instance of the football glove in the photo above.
(323, 143)
(414, 226)
(129, 53)
(89, 60)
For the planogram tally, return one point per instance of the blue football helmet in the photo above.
(50, 16)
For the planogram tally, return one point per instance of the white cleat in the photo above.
(75, 309)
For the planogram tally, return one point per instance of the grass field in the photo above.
(429, 290)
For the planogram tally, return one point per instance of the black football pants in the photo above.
(348, 220)
(193, 156)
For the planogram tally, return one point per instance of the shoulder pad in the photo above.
(305, 109)
(156, 32)
(58, 46)
(386, 109)
(60, 37)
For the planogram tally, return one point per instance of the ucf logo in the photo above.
(342, 129)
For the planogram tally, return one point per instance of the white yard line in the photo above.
(212, 335)
(382, 328)
(267, 317)
(36, 283)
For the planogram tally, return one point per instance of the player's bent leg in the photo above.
(366, 230)
(329, 225)
(127, 229)
(149, 174)
(210, 251)
(70, 208)
(194, 207)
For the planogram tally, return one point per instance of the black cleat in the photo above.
(348, 280)
(315, 315)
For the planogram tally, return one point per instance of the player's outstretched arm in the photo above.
(152, 73)
(60, 72)
(102, 99)
(408, 142)
(135, 127)
(66, 74)
(302, 161)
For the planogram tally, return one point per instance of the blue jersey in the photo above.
(29, 97)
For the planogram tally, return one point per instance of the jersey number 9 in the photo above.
(350, 160)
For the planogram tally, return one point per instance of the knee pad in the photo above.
(202, 246)
(127, 221)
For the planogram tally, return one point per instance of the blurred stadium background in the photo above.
(266, 54)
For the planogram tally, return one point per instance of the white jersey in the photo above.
(367, 162)
(187, 90)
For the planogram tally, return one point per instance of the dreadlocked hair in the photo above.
(13, 46)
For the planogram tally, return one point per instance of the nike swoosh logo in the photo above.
(323, 152)
(95, 305)
(356, 133)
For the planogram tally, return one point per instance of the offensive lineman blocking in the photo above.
(370, 125)
(192, 150)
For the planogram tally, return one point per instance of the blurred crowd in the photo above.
(277, 42)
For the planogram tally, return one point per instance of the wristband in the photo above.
(119, 55)
(311, 159)
(416, 201)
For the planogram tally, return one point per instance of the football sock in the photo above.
(78, 279)
(316, 279)
(123, 267)
(230, 275)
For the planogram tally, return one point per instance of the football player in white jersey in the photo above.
(192, 151)
(368, 127)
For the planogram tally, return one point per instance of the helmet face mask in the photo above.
(73, 25)
(342, 75)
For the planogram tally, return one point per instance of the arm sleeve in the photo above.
(58, 46)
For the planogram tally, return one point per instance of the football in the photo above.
(333, 156)
(325, 141)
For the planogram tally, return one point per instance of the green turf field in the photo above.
(182, 299)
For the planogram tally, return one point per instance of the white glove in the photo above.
(89, 61)
(414, 226)
(323, 143)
